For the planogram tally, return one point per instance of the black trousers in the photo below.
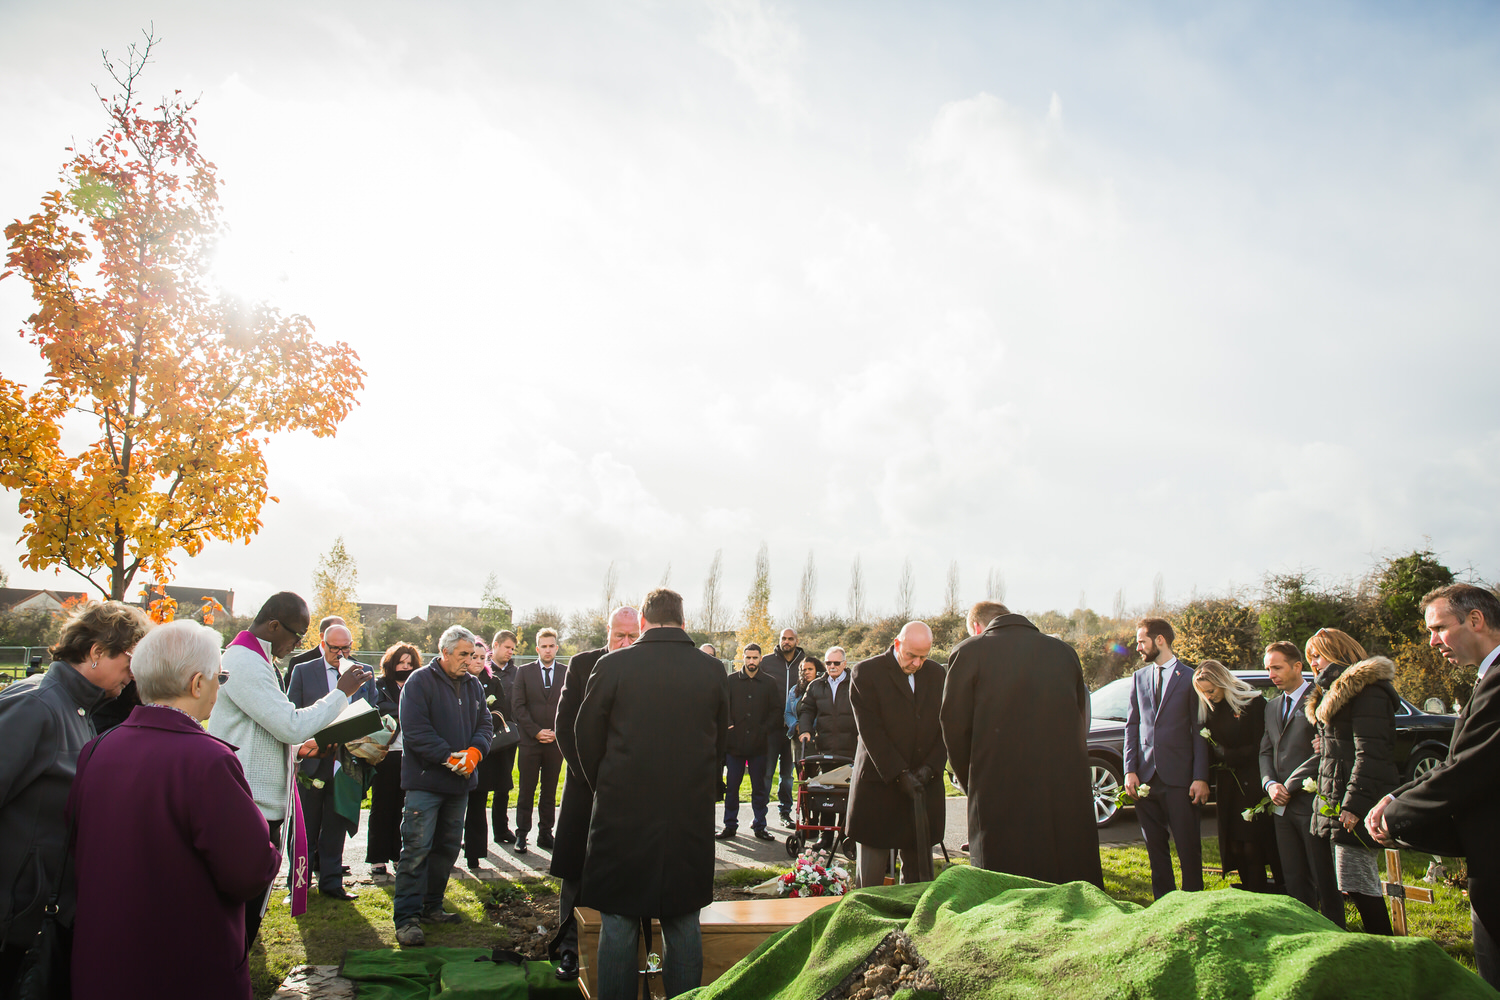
(1307, 866)
(565, 941)
(544, 761)
(494, 775)
(779, 751)
(1484, 912)
(326, 834)
(10, 967)
(1168, 810)
(383, 835)
(252, 908)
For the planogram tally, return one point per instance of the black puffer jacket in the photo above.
(1354, 709)
(829, 717)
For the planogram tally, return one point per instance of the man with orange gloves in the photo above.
(445, 732)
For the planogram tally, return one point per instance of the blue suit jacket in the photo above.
(1165, 743)
(309, 684)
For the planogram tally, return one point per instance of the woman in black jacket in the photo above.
(1354, 710)
(493, 770)
(44, 723)
(383, 837)
(1234, 713)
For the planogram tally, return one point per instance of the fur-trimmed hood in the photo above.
(1348, 684)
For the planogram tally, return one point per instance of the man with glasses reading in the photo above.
(255, 715)
(311, 682)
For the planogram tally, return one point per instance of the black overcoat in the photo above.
(1015, 722)
(572, 833)
(652, 733)
(899, 730)
(755, 708)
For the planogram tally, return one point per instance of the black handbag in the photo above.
(507, 735)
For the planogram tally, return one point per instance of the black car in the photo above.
(1421, 738)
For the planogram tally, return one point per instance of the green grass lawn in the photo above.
(328, 929)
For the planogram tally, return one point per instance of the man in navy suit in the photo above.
(539, 685)
(1164, 751)
(311, 681)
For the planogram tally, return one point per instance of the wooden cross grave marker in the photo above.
(1400, 893)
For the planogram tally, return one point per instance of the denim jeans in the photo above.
(760, 795)
(779, 750)
(432, 833)
(619, 955)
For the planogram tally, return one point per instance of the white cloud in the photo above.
(765, 47)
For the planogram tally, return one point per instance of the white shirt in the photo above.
(333, 678)
(549, 670)
(834, 682)
(912, 680)
(1489, 661)
(1296, 695)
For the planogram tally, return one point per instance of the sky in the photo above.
(1080, 294)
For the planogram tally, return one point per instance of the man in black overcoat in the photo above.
(1454, 809)
(897, 697)
(578, 799)
(651, 733)
(1015, 722)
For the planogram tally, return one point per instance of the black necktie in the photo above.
(1286, 710)
(1160, 668)
(546, 677)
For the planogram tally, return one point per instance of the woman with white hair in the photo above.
(170, 844)
(1234, 715)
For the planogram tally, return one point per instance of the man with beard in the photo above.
(754, 709)
(897, 697)
(1164, 749)
(1455, 807)
(784, 667)
(1015, 722)
(655, 718)
(578, 799)
(504, 670)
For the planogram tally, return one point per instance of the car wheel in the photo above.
(1423, 761)
(1106, 780)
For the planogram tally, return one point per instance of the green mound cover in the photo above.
(989, 936)
(449, 974)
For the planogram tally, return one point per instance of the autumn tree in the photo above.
(336, 589)
(495, 611)
(756, 625)
(144, 438)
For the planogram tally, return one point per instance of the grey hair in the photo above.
(829, 652)
(168, 657)
(453, 635)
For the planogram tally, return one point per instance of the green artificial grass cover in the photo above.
(449, 974)
(989, 936)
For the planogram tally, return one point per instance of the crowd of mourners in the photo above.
(153, 784)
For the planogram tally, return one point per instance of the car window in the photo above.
(1403, 707)
(1112, 701)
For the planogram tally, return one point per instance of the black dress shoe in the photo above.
(545, 841)
(505, 837)
(474, 864)
(726, 834)
(339, 893)
(764, 834)
(347, 870)
(521, 843)
(568, 967)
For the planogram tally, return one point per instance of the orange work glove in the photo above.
(464, 763)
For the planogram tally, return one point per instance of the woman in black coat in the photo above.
(1234, 713)
(383, 836)
(493, 770)
(1354, 709)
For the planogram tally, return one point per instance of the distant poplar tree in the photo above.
(856, 592)
(806, 594)
(756, 626)
(712, 617)
(336, 589)
(905, 591)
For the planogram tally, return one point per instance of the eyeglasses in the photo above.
(291, 631)
(223, 677)
(345, 650)
(835, 663)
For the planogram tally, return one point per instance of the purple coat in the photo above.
(170, 847)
